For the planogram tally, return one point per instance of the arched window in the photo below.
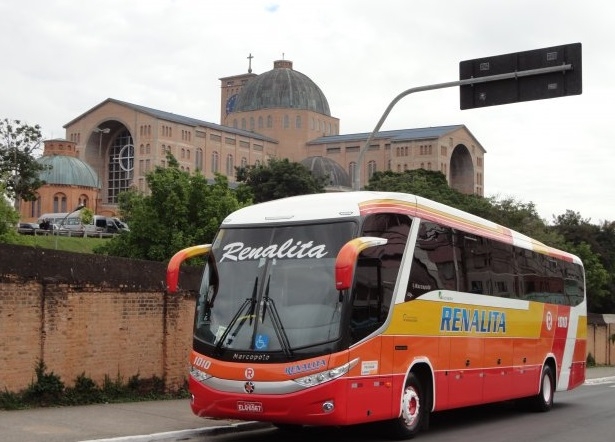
(214, 162)
(260, 122)
(269, 121)
(298, 122)
(251, 123)
(371, 168)
(35, 208)
(59, 203)
(352, 171)
(286, 122)
(121, 166)
(244, 162)
(230, 166)
(198, 160)
(83, 200)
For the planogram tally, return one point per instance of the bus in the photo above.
(345, 308)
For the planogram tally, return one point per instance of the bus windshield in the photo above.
(272, 289)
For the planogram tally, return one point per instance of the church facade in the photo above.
(281, 113)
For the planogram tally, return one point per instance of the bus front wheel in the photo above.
(413, 410)
(543, 401)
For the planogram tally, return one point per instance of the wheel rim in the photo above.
(410, 407)
(547, 388)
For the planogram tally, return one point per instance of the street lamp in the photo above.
(79, 207)
(100, 132)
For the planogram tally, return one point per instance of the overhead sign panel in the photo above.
(525, 85)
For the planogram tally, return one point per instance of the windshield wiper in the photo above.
(249, 302)
(276, 321)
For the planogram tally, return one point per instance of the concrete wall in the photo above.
(83, 313)
(91, 314)
(599, 342)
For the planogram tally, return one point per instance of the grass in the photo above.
(65, 243)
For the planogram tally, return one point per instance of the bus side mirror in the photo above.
(178, 258)
(346, 260)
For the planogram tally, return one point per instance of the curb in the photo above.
(597, 381)
(174, 435)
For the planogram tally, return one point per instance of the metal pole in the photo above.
(357, 182)
(79, 207)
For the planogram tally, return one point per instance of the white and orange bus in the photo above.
(346, 308)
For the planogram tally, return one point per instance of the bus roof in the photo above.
(339, 205)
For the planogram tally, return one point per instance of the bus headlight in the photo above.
(199, 375)
(326, 376)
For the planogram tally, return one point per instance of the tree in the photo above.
(595, 245)
(19, 171)
(181, 210)
(8, 220)
(279, 178)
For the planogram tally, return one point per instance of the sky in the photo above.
(63, 57)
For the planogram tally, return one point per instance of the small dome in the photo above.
(322, 166)
(282, 87)
(67, 170)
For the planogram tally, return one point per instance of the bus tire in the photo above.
(543, 401)
(414, 412)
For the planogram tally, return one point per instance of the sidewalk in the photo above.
(138, 421)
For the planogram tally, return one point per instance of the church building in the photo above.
(281, 113)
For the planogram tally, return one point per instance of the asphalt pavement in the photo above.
(166, 420)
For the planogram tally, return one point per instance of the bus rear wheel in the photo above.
(543, 401)
(413, 410)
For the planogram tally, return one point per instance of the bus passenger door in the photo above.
(370, 389)
(369, 395)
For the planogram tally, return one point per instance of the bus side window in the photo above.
(436, 263)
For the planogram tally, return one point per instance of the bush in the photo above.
(85, 391)
(591, 361)
(10, 401)
(48, 390)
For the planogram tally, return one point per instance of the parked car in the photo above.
(27, 228)
(121, 225)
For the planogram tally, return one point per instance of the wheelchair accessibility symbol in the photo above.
(261, 342)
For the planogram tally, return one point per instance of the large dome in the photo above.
(326, 167)
(282, 87)
(67, 170)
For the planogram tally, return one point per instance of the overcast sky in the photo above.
(61, 58)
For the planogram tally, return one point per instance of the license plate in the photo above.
(249, 407)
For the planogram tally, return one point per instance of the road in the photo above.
(584, 414)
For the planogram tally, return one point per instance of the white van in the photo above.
(99, 224)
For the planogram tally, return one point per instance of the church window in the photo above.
(230, 165)
(352, 171)
(120, 165)
(371, 168)
(214, 162)
(198, 160)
